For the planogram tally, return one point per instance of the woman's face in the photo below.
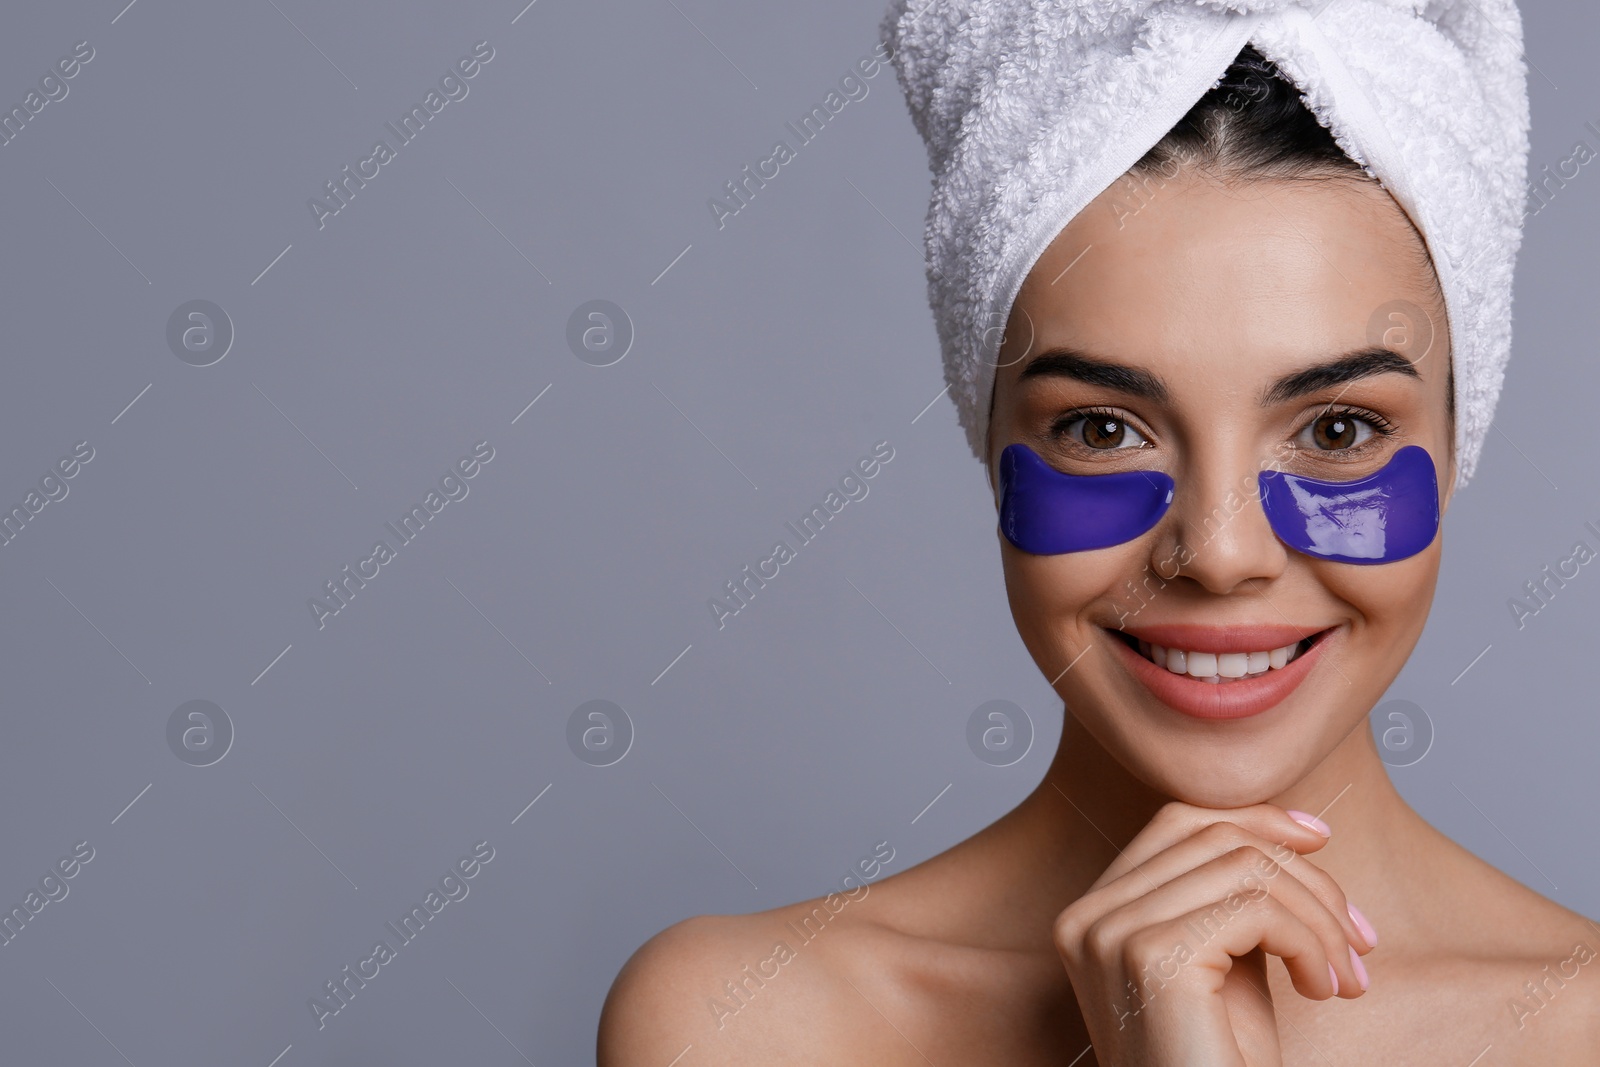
(1191, 323)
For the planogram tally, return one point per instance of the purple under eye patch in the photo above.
(1389, 515)
(1045, 512)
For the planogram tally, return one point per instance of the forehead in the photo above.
(1201, 271)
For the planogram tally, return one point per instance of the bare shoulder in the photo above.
(740, 988)
(652, 1012)
(1551, 1007)
(879, 975)
(1532, 967)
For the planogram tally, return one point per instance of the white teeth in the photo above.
(1218, 666)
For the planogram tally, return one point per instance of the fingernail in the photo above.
(1310, 822)
(1333, 974)
(1363, 925)
(1360, 969)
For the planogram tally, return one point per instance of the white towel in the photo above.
(1031, 108)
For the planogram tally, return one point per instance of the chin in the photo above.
(1216, 769)
(1225, 787)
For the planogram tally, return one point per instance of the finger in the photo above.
(1268, 924)
(1220, 839)
(1177, 821)
(1240, 879)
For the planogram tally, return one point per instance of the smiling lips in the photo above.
(1210, 672)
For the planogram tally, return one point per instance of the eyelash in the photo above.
(1381, 427)
(1059, 428)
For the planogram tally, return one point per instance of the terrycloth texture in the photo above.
(1031, 108)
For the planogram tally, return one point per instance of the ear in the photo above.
(988, 464)
(1449, 484)
(991, 437)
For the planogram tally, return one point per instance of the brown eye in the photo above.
(1338, 431)
(1100, 430)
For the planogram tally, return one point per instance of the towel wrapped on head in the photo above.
(1031, 108)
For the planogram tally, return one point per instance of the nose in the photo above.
(1215, 532)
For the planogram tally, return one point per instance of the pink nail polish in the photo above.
(1363, 925)
(1310, 822)
(1360, 969)
(1333, 974)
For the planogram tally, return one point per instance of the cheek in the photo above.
(1048, 593)
(1385, 594)
(1389, 603)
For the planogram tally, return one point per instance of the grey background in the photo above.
(431, 711)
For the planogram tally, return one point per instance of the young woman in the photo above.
(1216, 868)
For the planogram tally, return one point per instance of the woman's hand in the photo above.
(1167, 950)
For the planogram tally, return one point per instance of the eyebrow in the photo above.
(1063, 362)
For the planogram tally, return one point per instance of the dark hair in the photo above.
(1254, 124)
